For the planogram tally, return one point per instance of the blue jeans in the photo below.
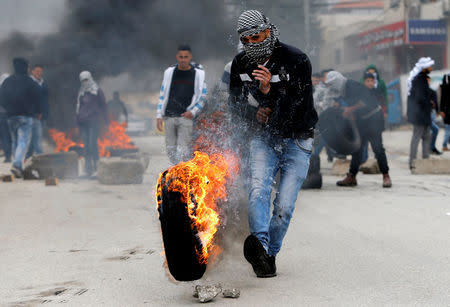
(36, 138)
(269, 154)
(20, 129)
(446, 136)
(5, 136)
(89, 134)
(434, 130)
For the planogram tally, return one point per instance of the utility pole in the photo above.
(307, 20)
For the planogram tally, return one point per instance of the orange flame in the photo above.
(115, 137)
(202, 183)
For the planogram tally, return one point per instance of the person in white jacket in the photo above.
(182, 97)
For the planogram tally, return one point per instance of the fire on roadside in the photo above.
(114, 138)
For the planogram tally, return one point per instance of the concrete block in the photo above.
(370, 167)
(340, 167)
(51, 181)
(58, 164)
(143, 157)
(431, 166)
(120, 171)
(7, 178)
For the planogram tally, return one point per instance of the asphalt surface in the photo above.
(85, 244)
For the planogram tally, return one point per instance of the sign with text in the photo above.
(427, 31)
(383, 37)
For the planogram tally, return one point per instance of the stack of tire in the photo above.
(314, 178)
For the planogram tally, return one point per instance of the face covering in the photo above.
(252, 22)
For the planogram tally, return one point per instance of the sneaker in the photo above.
(256, 255)
(7, 160)
(349, 181)
(16, 172)
(387, 183)
(434, 151)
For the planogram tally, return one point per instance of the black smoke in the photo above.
(110, 37)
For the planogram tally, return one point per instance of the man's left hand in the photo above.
(188, 115)
(263, 75)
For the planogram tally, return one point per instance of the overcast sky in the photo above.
(31, 16)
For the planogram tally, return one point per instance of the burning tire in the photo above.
(181, 241)
(340, 134)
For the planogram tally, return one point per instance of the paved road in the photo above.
(86, 244)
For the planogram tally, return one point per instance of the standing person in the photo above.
(20, 97)
(117, 110)
(365, 109)
(40, 118)
(380, 92)
(433, 114)
(90, 111)
(5, 135)
(419, 108)
(282, 119)
(445, 109)
(182, 97)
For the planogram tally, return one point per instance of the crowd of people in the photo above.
(24, 110)
(275, 101)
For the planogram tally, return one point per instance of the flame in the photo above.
(202, 183)
(115, 137)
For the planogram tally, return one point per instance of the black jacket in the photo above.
(367, 117)
(20, 95)
(445, 98)
(290, 96)
(419, 101)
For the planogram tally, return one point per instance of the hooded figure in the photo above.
(380, 86)
(5, 136)
(90, 110)
(271, 100)
(419, 108)
(364, 108)
(21, 99)
(252, 22)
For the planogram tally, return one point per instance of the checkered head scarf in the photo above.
(252, 22)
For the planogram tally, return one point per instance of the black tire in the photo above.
(181, 240)
(313, 181)
(340, 134)
(314, 165)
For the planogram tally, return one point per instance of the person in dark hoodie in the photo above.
(419, 108)
(91, 110)
(365, 109)
(39, 121)
(21, 98)
(277, 79)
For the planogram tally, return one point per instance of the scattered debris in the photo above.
(231, 293)
(77, 250)
(8, 178)
(206, 293)
(51, 181)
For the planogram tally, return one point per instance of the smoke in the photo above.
(138, 37)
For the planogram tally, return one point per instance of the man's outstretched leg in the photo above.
(263, 165)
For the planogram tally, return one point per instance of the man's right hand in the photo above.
(159, 124)
(263, 115)
(442, 114)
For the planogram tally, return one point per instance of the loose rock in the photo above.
(231, 293)
(206, 293)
